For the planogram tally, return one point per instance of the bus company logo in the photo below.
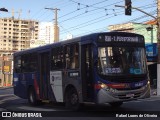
(15, 114)
(6, 114)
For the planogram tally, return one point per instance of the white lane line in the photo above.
(35, 109)
(147, 100)
(10, 98)
(6, 95)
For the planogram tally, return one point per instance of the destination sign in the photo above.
(106, 38)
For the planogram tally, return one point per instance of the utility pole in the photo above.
(56, 28)
(158, 46)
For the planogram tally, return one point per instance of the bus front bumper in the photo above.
(104, 96)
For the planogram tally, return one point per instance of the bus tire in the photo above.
(116, 104)
(72, 99)
(32, 97)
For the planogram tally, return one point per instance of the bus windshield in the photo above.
(121, 60)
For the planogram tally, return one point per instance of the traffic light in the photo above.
(128, 7)
(3, 9)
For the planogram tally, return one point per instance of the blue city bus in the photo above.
(99, 68)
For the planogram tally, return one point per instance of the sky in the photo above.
(80, 17)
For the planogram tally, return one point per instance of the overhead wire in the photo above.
(82, 24)
(89, 10)
(73, 17)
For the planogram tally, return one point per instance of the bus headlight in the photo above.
(107, 88)
(148, 82)
(104, 86)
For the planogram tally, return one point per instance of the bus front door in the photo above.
(44, 75)
(86, 73)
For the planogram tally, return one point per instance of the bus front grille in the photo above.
(123, 89)
(129, 96)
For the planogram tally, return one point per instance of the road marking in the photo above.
(2, 109)
(151, 99)
(35, 109)
(10, 98)
(6, 95)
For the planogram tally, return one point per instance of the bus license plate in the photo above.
(130, 95)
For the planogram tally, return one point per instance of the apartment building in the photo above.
(15, 34)
(46, 32)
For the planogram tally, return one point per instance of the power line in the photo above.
(85, 23)
(96, 22)
(97, 8)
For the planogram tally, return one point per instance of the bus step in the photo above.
(45, 101)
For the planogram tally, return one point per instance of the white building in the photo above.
(46, 32)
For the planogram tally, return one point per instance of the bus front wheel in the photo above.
(72, 99)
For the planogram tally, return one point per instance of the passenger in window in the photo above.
(59, 64)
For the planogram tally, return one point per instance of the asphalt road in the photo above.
(11, 103)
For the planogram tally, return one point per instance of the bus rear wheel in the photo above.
(72, 99)
(116, 104)
(32, 97)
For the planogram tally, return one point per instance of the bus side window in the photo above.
(32, 62)
(72, 56)
(25, 65)
(67, 57)
(57, 58)
(17, 64)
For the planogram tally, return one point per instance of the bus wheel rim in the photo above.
(74, 99)
(31, 97)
